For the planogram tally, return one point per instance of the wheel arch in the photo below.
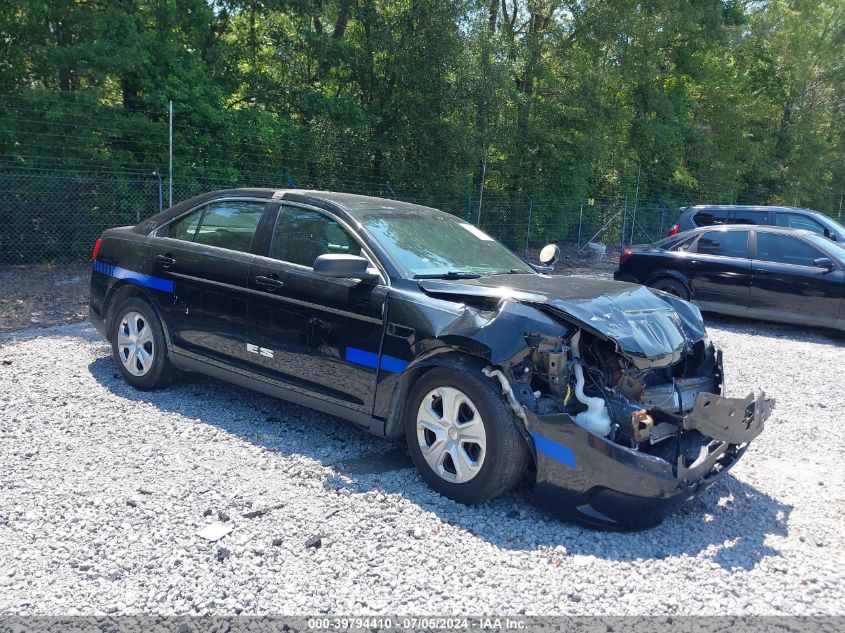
(122, 291)
(668, 273)
(454, 358)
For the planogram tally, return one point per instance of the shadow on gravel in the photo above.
(768, 329)
(733, 519)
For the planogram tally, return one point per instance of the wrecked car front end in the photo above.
(623, 402)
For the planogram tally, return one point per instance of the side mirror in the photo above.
(823, 262)
(341, 265)
(550, 255)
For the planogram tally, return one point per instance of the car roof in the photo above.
(351, 205)
(748, 207)
(760, 228)
(356, 205)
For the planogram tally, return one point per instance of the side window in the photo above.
(797, 221)
(750, 217)
(783, 249)
(230, 224)
(185, 227)
(683, 245)
(724, 243)
(301, 236)
(709, 217)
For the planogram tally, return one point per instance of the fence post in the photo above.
(160, 191)
(624, 223)
(580, 221)
(528, 228)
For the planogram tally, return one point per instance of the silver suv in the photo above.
(787, 217)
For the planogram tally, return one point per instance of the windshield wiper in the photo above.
(512, 271)
(452, 274)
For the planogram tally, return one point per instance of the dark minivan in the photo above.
(786, 217)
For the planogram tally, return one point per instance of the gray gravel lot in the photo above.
(103, 491)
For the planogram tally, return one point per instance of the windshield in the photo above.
(438, 244)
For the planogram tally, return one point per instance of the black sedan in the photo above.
(414, 324)
(787, 275)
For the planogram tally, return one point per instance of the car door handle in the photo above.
(694, 262)
(166, 261)
(269, 282)
(761, 271)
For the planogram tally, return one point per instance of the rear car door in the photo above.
(788, 286)
(720, 272)
(206, 253)
(322, 336)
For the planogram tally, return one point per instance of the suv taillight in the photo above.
(96, 248)
(674, 230)
(625, 256)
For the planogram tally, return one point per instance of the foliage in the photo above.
(433, 100)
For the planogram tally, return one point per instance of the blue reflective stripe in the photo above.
(156, 283)
(361, 357)
(369, 359)
(557, 452)
(392, 364)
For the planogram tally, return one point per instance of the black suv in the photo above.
(786, 217)
(414, 324)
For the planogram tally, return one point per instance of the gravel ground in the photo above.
(104, 492)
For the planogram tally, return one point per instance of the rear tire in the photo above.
(139, 348)
(672, 287)
(462, 436)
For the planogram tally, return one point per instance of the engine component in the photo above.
(641, 424)
(595, 419)
(549, 357)
(665, 396)
(628, 386)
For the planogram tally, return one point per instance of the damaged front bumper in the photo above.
(595, 481)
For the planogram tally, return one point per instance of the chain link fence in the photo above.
(55, 218)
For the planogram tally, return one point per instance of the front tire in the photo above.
(139, 348)
(462, 436)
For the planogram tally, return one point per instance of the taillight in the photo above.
(625, 256)
(676, 228)
(96, 248)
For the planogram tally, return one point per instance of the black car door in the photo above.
(206, 254)
(719, 271)
(322, 336)
(788, 286)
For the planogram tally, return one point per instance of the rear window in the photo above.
(723, 243)
(709, 217)
(750, 217)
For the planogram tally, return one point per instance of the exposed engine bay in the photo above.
(674, 411)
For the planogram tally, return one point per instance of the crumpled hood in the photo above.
(650, 328)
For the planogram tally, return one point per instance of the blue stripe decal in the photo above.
(392, 364)
(361, 357)
(557, 452)
(368, 359)
(156, 283)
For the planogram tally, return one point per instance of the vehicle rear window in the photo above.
(798, 221)
(784, 249)
(750, 217)
(724, 243)
(709, 217)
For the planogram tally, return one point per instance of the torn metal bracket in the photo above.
(732, 420)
